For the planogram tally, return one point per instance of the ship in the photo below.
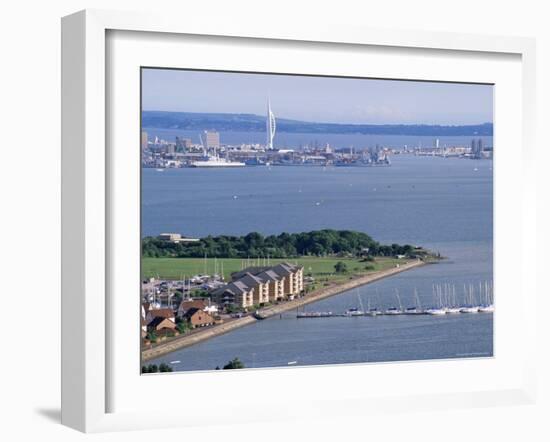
(216, 161)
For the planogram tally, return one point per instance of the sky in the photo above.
(318, 99)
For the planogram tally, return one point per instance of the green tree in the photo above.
(152, 368)
(165, 368)
(234, 364)
(152, 336)
(340, 267)
(182, 326)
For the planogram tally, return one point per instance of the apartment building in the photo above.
(260, 285)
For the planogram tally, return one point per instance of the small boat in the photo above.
(486, 309)
(354, 312)
(469, 309)
(436, 311)
(453, 310)
(292, 363)
(159, 170)
(175, 362)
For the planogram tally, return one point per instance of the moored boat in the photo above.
(436, 311)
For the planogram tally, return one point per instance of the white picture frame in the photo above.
(87, 207)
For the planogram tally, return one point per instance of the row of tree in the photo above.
(286, 245)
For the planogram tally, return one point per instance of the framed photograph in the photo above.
(315, 216)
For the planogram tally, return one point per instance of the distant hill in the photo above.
(256, 123)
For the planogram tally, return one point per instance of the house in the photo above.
(166, 313)
(161, 325)
(188, 304)
(198, 318)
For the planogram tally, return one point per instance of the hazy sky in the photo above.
(318, 99)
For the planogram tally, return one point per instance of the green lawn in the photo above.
(319, 268)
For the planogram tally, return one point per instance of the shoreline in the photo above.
(202, 335)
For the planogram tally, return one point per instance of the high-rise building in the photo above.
(212, 139)
(182, 144)
(477, 148)
(143, 140)
(270, 126)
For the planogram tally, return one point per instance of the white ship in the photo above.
(216, 161)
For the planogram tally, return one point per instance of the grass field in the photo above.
(320, 268)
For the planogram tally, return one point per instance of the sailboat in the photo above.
(440, 310)
(453, 306)
(372, 311)
(417, 308)
(394, 310)
(356, 311)
(487, 306)
(470, 308)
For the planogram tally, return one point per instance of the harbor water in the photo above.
(444, 204)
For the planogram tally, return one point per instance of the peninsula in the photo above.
(196, 289)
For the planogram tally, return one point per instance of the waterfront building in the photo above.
(212, 139)
(165, 313)
(260, 285)
(160, 320)
(144, 143)
(234, 294)
(293, 278)
(275, 285)
(161, 325)
(260, 288)
(188, 304)
(183, 144)
(198, 318)
(270, 126)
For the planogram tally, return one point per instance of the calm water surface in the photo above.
(442, 204)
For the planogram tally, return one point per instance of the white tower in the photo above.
(270, 126)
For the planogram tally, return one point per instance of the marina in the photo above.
(447, 307)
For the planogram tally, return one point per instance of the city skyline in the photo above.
(318, 99)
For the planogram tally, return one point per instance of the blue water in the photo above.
(442, 204)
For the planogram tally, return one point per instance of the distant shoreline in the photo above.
(202, 335)
(254, 123)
